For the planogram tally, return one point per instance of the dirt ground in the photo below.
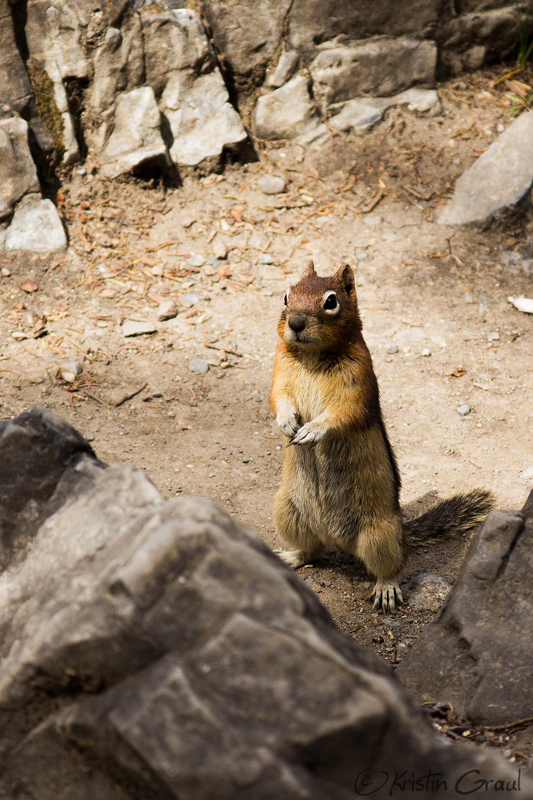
(434, 304)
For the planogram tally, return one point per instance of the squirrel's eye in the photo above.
(330, 302)
(286, 299)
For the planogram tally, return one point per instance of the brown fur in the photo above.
(340, 484)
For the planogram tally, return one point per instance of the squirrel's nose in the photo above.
(296, 323)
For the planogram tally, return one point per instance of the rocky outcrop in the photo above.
(17, 170)
(288, 113)
(154, 648)
(494, 186)
(476, 654)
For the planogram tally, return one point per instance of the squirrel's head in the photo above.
(320, 313)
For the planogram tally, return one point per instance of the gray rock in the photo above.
(2, 243)
(248, 34)
(15, 89)
(118, 64)
(193, 96)
(18, 174)
(464, 410)
(467, 39)
(314, 21)
(196, 260)
(527, 474)
(497, 181)
(136, 137)
(167, 310)
(70, 370)
(357, 116)
(476, 655)
(376, 67)
(198, 366)
(165, 652)
(134, 327)
(266, 258)
(288, 113)
(36, 227)
(285, 68)
(189, 300)
(430, 591)
(392, 349)
(271, 184)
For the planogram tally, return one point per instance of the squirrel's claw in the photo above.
(386, 595)
(308, 434)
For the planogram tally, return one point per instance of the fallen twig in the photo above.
(130, 395)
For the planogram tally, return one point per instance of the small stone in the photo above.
(167, 310)
(157, 271)
(220, 249)
(133, 327)
(494, 336)
(29, 287)
(271, 184)
(6, 272)
(70, 370)
(356, 116)
(266, 258)
(392, 349)
(189, 300)
(527, 474)
(426, 352)
(288, 61)
(36, 227)
(196, 260)
(198, 366)
(361, 255)
(432, 591)
(469, 298)
(464, 409)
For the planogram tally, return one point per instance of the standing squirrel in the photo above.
(340, 485)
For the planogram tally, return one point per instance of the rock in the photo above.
(5, 271)
(430, 592)
(313, 22)
(193, 97)
(377, 67)
(410, 336)
(288, 113)
(220, 249)
(426, 101)
(524, 304)
(189, 300)
(271, 184)
(198, 366)
(356, 116)
(476, 654)
(196, 260)
(2, 243)
(494, 336)
(285, 68)
(497, 181)
(133, 327)
(18, 174)
(136, 137)
(392, 349)
(70, 370)
(426, 352)
(527, 474)
(164, 650)
(464, 410)
(167, 310)
(248, 34)
(266, 258)
(36, 226)
(468, 39)
(55, 34)
(118, 64)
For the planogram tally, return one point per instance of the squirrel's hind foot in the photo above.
(296, 558)
(386, 595)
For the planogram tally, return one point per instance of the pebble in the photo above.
(213, 261)
(198, 366)
(266, 258)
(133, 327)
(468, 298)
(392, 349)
(70, 370)
(527, 474)
(196, 260)
(361, 255)
(219, 248)
(271, 184)
(189, 300)
(167, 310)
(431, 592)
(464, 409)
(5, 272)
(426, 352)
(494, 336)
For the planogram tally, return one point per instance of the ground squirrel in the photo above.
(340, 485)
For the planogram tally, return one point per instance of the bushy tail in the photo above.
(451, 517)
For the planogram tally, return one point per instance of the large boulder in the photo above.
(374, 67)
(36, 227)
(118, 64)
(181, 69)
(154, 648)
(17, 169)
(468, 41)
(476, 654)
(494, 186)
(288, 113)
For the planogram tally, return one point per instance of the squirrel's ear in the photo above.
(310, 270)
(346, 276)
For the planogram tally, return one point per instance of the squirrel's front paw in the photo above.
(386, 595)
(288, 423)
(310, 434)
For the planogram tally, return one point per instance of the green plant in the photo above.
(525, 33)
